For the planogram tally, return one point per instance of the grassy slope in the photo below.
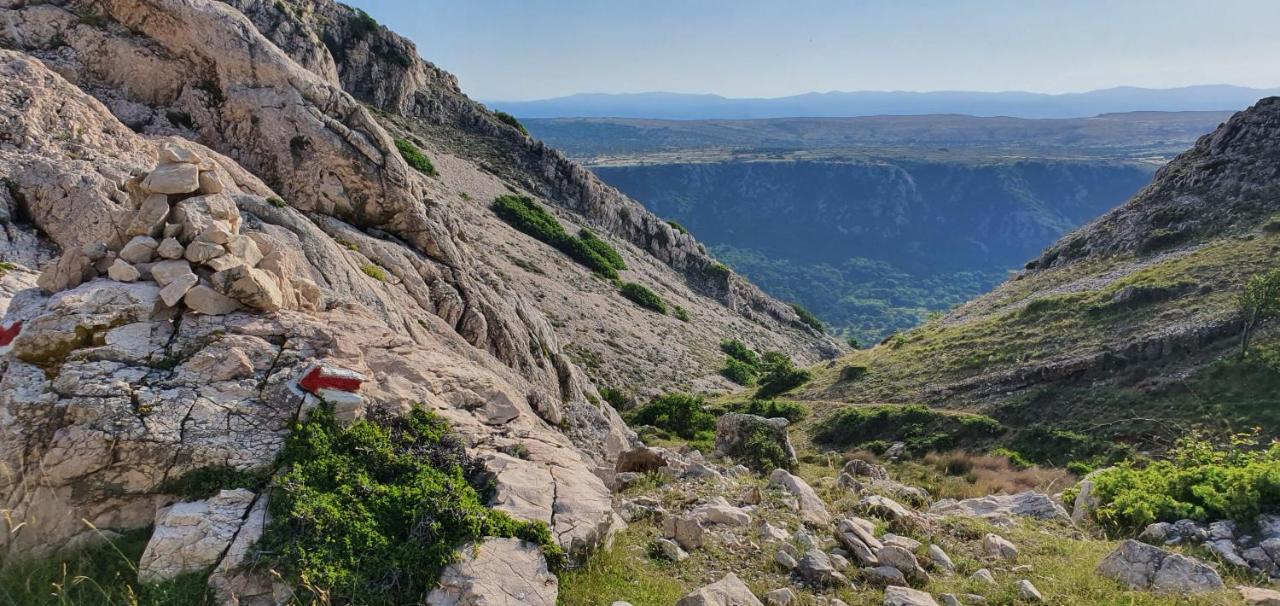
(986, 354)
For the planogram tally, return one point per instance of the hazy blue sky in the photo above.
(529, 49)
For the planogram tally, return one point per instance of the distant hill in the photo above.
(1120, 134)
(680, 106)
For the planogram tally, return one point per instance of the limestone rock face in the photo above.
(1143, 566)
(192, 536)
(498, 572)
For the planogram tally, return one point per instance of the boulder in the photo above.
(1085, 501)
(209, 183)
(785, 560)
(729, 591)
(176, 178)
(170, 248)
(172, 152)
(855, 534)
(251, 287)
(812, 510)
(150, 216)
(857, 468)
(122, 271)
(984, 576)
(497, 572)
(685, 530)
(885, 508)
(1028, 592)
(1029, 504)
(200, 252)
(941, 560)
(245, 249)
(669, 550)
(769, 532)
(780, 597)
(881, 576)
(1142, 566)
(904, 596)
(903, 560)
(192, 536)
(719, 511)
(816, 569)
(72, 269)
(734, 429)
(139, 250)
(165, 272)
(172, 293)
(199, 214)
(999, 548)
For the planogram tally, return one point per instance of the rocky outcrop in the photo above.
(733, 430)
(1257, 550)
(1004, 507)
(497, 572)
(192, 536)
(812, 510)
(1143, 566)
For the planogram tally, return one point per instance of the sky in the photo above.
(532, 49)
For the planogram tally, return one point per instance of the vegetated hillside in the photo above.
(1126, 330)
(678, 106)
(874, 246)
(1133, 133)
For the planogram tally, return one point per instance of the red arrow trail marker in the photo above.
(7, 335)
(322, 377)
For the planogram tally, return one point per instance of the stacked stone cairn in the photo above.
(185, 236)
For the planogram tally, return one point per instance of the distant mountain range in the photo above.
(680, 106)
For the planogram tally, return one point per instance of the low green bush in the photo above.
(602, 248)
(760, 451)
(372, 513)
(615, 397)
(719, 271)
(682, 314)
(680, 414)
(415, 158)
(921, 428)
(739, 372)
(511, 121)
(642, 296)
(678, 227)
(374, 271)
(739, 351)
(778, 375)
(522, 213)
(1198, 481)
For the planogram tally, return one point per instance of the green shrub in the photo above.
(739, 372)
(681, 414)
(808, 319)
(373, 271)
(1198, 481)
(678, 227)
(522, 213)
(602, 248)
(372, 513)
(615, 397)
(778, 375)
(739, 351)
(1015, 458)
(414, 157)
(642, 296)
(718, 271)
(205, 482)
(760, 451)
(853, 372)
(921, 428)
(682, 314)
(361, 24)
(276, 202)
(771, 409)
(511, 121)
(853, 343)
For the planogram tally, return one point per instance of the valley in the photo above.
(875, 223)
